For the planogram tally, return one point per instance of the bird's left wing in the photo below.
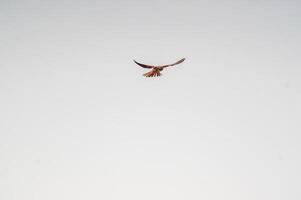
(143, 65)
(176, 63)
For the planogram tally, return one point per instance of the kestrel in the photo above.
(157, 69)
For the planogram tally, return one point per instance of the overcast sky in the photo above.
(79, 121)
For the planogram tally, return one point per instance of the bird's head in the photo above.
(158, 68)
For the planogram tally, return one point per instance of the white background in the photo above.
(79, 121)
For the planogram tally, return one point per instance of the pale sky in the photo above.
(79, 121)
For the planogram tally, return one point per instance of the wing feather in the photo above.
(176, 63)
(143, 65)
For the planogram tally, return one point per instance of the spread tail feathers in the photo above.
(152, 73)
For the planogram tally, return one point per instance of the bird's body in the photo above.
(156, 69)
(154, 72)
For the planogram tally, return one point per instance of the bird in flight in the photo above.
(156, 69)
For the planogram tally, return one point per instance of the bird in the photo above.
(156, 69)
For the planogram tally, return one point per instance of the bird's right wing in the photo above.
(143, 65)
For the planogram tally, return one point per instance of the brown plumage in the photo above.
(157, 69)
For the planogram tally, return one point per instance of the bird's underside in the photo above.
(156, 69)
(154, 72)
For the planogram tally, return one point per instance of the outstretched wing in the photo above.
(143, 65)
(176, 63)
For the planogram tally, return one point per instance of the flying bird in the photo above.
(157, 69)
